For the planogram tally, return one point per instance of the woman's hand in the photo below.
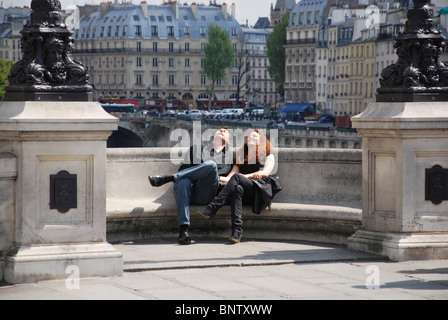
(254, 176)
(223, 180)
(257, 176)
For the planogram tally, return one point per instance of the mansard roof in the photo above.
(160, 16)
(308, 6)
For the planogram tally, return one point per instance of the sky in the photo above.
(245, 9)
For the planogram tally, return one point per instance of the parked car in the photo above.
(169, 113)
(195, 114)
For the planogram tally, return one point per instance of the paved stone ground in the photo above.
(252, 270)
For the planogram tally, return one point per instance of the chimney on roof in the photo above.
(175, 8)
(224, 10)
(144, 6)
(233, 9)
(194, 9)
(105, 8)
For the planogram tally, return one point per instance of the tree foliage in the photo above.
(5, 68)
(219, 56)
(276, 50)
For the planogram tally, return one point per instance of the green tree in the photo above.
(219, 57)
(5, 68)
(276, 50)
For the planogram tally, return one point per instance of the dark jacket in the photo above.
(266, 189)
(194, 158)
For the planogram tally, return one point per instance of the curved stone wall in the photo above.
(320, 200)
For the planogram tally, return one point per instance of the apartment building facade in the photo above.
(300, 47)
(260, 88)
(335, 52)
(152, 51)
(157, 52)
(12, 22)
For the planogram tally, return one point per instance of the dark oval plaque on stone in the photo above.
(63, 191)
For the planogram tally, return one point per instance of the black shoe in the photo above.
(206, 213)
(184, 237)
(158, 181)
(235, 237)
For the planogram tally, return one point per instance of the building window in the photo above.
(170, 31)
(154, 31)
(138, 31)
(171, 62)
(139, 62)
(154, 47)
(171, 79)
(171, 47)
(187, 63)
(187, 79)
(203, 80)
(155, 79)
(155, 62)
(138, 79)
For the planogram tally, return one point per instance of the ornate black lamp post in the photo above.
(47, 72)
(418, 74)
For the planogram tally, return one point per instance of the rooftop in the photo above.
(134, 20)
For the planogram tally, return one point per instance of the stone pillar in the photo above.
(402, 142)
(8, 175)
(405, 149)
(49, 122)
(60, 198)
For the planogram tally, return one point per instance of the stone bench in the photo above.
(320, 200)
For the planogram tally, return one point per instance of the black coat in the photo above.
(265, 190)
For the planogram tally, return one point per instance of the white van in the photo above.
(232, 113)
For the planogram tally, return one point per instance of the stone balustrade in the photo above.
(321, 198)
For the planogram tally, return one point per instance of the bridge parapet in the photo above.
(155, 132)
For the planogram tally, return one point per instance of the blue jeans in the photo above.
(195, 185)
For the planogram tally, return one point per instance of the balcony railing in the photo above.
(300, 41)
(135, 51)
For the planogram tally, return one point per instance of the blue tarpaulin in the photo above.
(442, 11)
(297, 107)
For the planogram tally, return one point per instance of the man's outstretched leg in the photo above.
(207, 170)
(182, 194)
